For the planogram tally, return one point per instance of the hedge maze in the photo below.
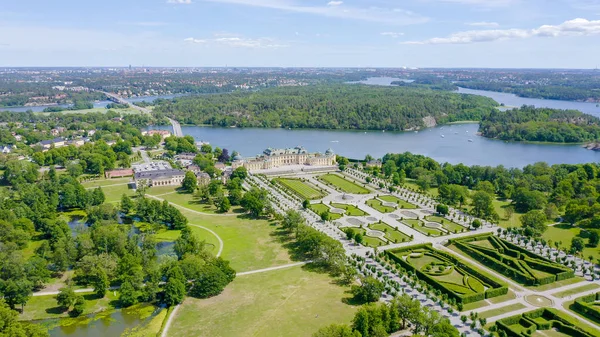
(446, 273)
(527, 324)
(588, 306)
(511, 260)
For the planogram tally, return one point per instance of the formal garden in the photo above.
(388, 203)
(511, 260)
(301, 188)
(444, 272)
(543, 322)
(429, 229)
(321, 209)
(588, 306)
(343, 185)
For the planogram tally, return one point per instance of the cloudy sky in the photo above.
(355, 33)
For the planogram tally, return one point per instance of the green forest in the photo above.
(328, 107)
(541, 125)
(579, 91)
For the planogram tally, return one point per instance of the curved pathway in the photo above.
(189, 209)
(221, 244)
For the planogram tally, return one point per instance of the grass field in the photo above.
(343, 184)
(378, 205)
(248, 244)
(401, 203)
(546, 317)
(350, 209)
(501, 310)
(285, 302)
(43, 307)
(573, 291)
(187, 200)
(558, 284)
(391, 233)
(453, 227)
(302, 189)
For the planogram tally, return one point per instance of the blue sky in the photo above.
(348, 33)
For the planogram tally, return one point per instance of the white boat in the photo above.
(456, 133)
(443, 136)
(470, 140)
(335, 141)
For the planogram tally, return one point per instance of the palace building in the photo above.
(272, 158)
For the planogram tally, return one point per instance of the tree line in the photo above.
(332, 106)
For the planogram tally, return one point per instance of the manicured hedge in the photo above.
(582, 305)
(553, 318)
(517, 263)
(452, 290)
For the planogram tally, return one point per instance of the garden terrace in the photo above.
(350, 209)
(300, 188)
(511, 260)
(450, 226)
(369, 240)
(419, 226)
(342, 184)
(401, 203)
(391, 234)
(378, 205)
(320, 208)
(448, 274)
(543, 322)
(588, 306)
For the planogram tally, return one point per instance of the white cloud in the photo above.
(236, 41)
(179, 2)
(395, 16)
(483, 24)
(191, 39)
(148, 23)
(575, 27)
(393, 35)
(483, 3)
(334, 3)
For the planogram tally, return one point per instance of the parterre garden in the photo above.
(321, 208)
(401, 203)
(448, 274)
(391, 233)
(588, 306)
(350, 209)
(342, 184)
(450, 226)
(300, 188)
(544, 322)
(511, 260)
(419, 226)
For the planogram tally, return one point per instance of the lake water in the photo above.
(516, 101)
(99, 104)
(454, 147)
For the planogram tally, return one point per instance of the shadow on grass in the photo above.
(56, 310)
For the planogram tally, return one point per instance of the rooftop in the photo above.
(158, 174)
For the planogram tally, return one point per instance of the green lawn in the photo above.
(43, 307)
(368, 240)
(248, 244)
(501, 310)
(573, 291)
(320, 208)
(343, 184)
(350, 209)
(418, 225)
(301, 188)
(391, 233)
(105, 182)
(187, 200)
(378, 205)
(558, 284)
(401, 203)
(113, 193)
(453, 227)
(285, 302)
(433, 191)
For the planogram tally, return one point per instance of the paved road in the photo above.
(176, 128)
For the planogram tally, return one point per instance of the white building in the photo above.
(272, 158)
